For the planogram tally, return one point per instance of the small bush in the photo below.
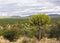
(11, 34)
(26, 41)
(1, 32)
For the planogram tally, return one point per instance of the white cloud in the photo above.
(20, 2)
(4, 14)
(20, 7)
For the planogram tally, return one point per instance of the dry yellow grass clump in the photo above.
(29, 40)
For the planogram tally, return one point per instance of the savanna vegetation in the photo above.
(38, 26)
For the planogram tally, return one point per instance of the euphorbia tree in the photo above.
(39, 20)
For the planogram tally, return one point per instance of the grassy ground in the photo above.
(29, 40)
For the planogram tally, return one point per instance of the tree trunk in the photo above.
(39, 34)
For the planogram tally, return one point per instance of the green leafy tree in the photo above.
(39, 20)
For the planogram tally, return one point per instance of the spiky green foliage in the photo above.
(39, 19)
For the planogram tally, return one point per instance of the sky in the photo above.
(28, 7)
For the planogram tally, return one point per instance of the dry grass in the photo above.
(33, 40)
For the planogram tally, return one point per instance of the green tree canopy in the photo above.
(39, 19)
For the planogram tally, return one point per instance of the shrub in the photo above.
(1, 32)
(55, 31)
(27, 41)
(11, 34)
(29, 32)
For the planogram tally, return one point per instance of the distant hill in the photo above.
(14, 17)
(51, 15)
(54, 15)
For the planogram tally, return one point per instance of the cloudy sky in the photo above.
(28, 7)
